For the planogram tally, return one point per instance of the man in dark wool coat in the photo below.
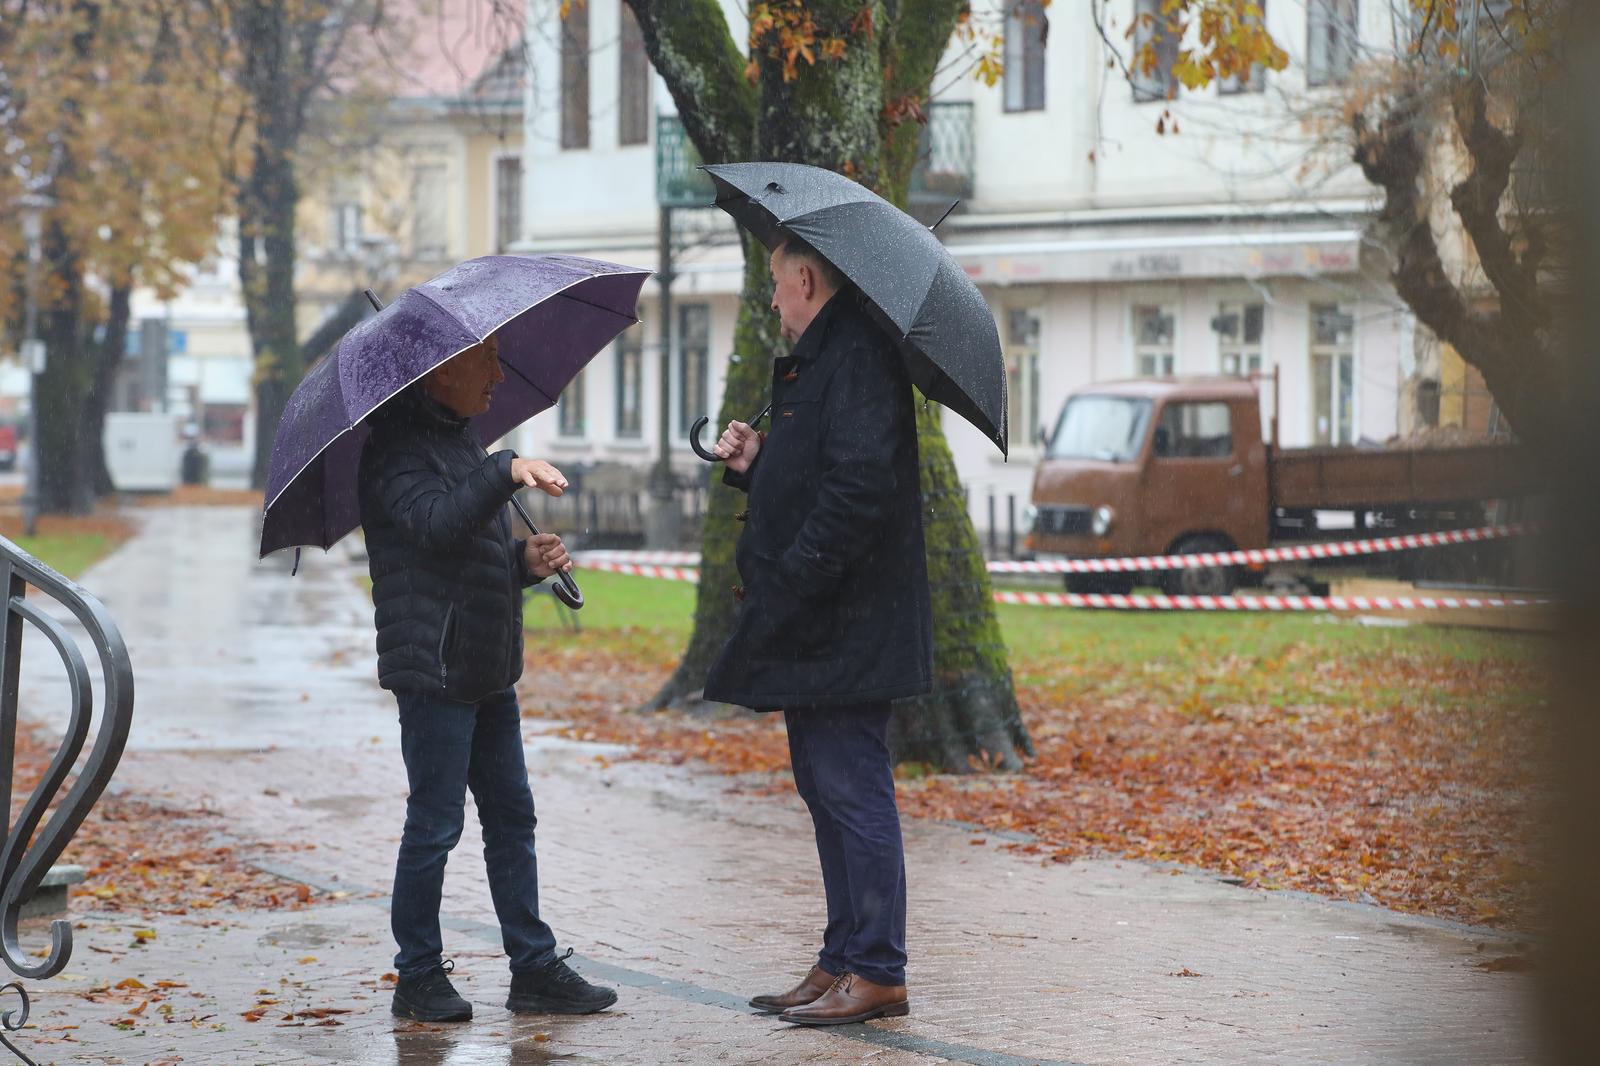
(447, 581)
(835, 619)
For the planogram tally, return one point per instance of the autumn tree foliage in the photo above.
(105, 126)
(290, 62)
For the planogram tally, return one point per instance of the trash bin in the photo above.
(195, 467)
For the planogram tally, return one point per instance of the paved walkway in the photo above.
(255, 699)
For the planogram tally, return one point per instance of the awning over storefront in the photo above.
(1158, 257)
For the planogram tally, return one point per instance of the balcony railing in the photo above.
(679, 180)
(944, 169)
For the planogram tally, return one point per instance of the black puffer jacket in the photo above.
(447, 573)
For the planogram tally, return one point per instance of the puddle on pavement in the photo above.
(487, 1043)
(305, 935)
(339, 804)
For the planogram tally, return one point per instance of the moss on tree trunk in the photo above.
(834, 114)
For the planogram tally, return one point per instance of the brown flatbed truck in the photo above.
(1180, 465)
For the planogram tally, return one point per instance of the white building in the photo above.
(209, 362)
(1108, 247)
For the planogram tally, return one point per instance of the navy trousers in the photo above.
(448, 748)
(843, 772)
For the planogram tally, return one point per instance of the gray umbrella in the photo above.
(918, 292)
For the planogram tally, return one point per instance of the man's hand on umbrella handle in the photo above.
(544, 555)
(738, 445)
(538, 474)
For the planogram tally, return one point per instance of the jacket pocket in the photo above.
(789, 626)
(445, 633)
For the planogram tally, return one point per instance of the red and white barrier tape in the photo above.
(591, 561)
(1156, 603)
(1329, 550)
(1262, 603)
(640, 558)
(1255, 556)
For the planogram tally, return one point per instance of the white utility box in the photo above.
(143, 450)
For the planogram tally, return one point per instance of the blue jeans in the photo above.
(448, 748)
(842, 770)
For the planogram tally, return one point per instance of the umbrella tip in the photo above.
(944, 216)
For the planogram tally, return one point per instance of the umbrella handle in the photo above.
(694, 441)
(700, 423)
(566, 589)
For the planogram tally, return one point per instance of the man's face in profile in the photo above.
(466, 383)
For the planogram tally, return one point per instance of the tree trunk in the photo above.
(60, 392)
(744, 393)
(833, 114)
(266, 270)
(105, 358)
(971, 719)
(280, 50)
(1520, 358)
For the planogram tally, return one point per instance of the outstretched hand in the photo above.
(538, 474)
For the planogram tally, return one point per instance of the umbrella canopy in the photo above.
(918, 292)
(553, 313)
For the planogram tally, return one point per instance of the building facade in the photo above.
(1118, 229)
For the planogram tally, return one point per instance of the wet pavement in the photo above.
(256, 700)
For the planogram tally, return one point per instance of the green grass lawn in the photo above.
(1280, 660)
(636, 616)
(70, 553)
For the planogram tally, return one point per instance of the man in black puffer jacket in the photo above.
(447, 581)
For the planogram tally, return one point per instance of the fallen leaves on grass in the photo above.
(1393, 776)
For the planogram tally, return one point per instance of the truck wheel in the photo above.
(1100, 584)
(1201, 580)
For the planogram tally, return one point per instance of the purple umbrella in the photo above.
(553, 314)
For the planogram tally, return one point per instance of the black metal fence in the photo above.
(32, 842)
(1002, 536)
(610, 517)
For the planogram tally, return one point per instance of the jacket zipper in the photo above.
(444, 642)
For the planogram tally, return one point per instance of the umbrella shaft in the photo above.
(573, 597)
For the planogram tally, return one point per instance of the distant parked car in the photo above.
(8, 447)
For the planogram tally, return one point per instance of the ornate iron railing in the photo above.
(28, 850)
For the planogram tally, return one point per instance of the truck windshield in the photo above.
(1109, 428)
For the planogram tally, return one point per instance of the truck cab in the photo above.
(1153, 467)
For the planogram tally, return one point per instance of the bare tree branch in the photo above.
(1477, 201)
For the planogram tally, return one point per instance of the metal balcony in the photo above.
(679, 181)
(944, 169)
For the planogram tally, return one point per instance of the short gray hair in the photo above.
(794, 247)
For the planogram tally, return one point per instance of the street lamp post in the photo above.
(33, 352)
(664, 520)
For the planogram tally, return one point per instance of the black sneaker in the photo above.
(557, 989)
(430, 998)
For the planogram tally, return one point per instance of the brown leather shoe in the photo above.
(851, 999)
(810, 987)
